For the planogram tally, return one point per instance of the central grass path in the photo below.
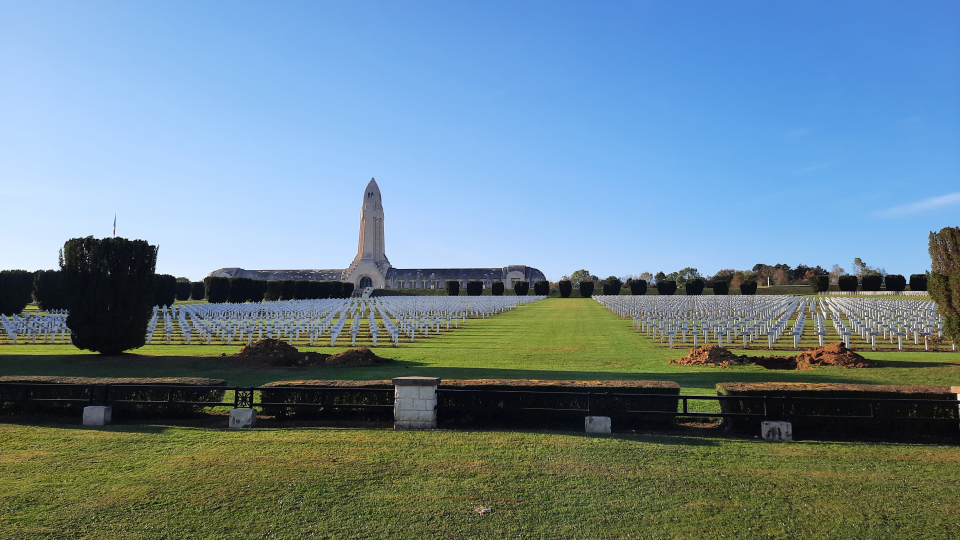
(550, 339)
(129, 482)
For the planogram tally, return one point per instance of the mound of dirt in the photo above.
(356, 357)
(711, 355)
(278, 353)
(833, 354)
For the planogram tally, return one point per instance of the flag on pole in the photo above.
(114, 224)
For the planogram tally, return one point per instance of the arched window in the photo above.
(366, 282)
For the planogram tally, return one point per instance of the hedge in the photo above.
(884, 424)
(109, 284)
(258, 290)
(541, 288)
(566, 288)
(638, 287)
(521, 288)
(666, 288)
(12, 399)
(721, 288)
(346, 289)
(288, 289)
(895, 282)
(48, 290)
(16, 290)
(918, 282)
(694, 287)
(819, 284)
(748, 287)
(543, 403)
(182, 290)
(197, 291)
(474, 288)
(871, 282)
(497, 289)
(164, 290)
(586, 289)
(272, 294)
(329, 404)
(612, 286)
(216, 289)
(847, 283)
(240, 290)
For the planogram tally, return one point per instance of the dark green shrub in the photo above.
(748, 287)
(197, 291)
(918, 282)
(611, 285)
(666, 287)
(216, 289)
(453, 288)
(121, 392)
(889, 419)
(541, 288)
(110, 294)
(16, 291)
(721, 288)
(257, 290)
(346, 289)
(521, 288)
(331, 405)
(239, 290)
(847, 283)
(164, 290)
(819, 284)
(555, 404)
(694, 287)
(871, 282)
(566, 288)
(183, 290)
(474, 288)
(497, 289)
(272, 294)
(586, 289)
(288, 289)
(638, 287)
(48, 290)
(895, 282)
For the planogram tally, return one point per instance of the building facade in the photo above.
(371, 268)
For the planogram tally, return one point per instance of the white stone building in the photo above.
(371, 268)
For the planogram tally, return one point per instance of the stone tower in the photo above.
(371, 262)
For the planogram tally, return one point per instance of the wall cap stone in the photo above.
(416, 381)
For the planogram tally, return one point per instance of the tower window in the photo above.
(370, 195)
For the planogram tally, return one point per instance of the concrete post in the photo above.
(415, 402)
(96, 415)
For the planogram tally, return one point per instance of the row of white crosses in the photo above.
(722, 319)
(398, 317)
(46, 326)
(875, 318)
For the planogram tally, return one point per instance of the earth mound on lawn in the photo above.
(834, 354)
(711, 355)
(278, 353)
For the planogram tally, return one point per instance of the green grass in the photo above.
(129, 482)
(550, 339)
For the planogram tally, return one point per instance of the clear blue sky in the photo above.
(618, 136)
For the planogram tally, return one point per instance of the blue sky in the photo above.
(620, 137)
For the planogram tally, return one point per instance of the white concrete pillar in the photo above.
(415, 402)
(597, 424)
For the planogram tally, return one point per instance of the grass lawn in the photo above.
(550, 339)
(128, 482)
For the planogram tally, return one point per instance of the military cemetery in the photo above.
(336, 270)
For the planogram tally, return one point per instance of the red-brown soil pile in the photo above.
(278, 353)
(833, 354)
(356, 357)
(711, 355)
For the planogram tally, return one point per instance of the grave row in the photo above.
(781, 321)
